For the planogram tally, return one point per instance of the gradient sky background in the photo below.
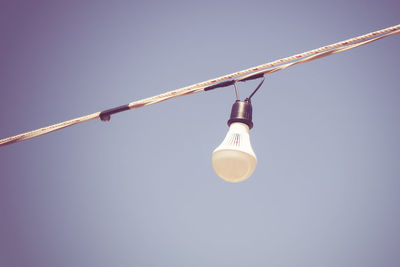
(140, 190)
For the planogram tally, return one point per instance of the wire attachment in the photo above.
(253, 77)
(258, 87)
(236, 91)
(105, 115)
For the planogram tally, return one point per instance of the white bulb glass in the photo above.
(234, 159)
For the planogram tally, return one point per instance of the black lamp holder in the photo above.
(242, 111)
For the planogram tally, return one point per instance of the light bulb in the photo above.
(234, 159)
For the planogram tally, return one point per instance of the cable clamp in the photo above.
(105, 115)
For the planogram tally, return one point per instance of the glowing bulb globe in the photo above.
(234, 159)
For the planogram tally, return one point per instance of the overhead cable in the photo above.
(223, 81)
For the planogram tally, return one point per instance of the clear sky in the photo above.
(140, 190)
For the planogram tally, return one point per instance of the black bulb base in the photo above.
(242, 111)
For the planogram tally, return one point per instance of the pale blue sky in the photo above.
(140, 190)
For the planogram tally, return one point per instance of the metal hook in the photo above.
(236, 90)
